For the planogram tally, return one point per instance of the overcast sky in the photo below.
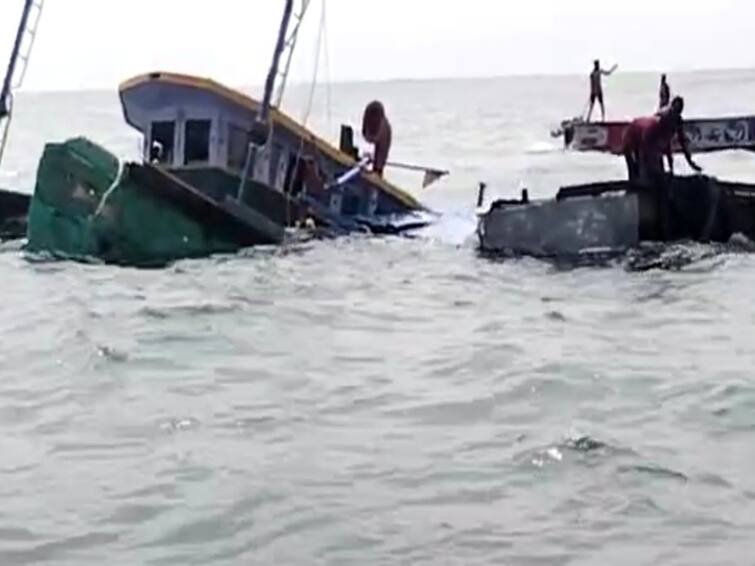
(98, 43)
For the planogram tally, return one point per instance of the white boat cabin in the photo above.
(192, 123)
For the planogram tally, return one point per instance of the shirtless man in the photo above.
(376, 129)
(664, 94)
(596, 88)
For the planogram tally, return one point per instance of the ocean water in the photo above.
(385, 401)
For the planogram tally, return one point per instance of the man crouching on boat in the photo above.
(647, 139)
(645, 142)
(376, 129)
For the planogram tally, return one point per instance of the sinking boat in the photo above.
(615, 216)
(703, 135)
(188, 200)
(220, 171)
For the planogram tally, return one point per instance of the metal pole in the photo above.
(260, 129)
(481, 195)
(8, 84)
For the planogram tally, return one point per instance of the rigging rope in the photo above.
(110, 190)
(316, 72)
(310, 102)
(291, 41)
(6, 126)
(326, 53)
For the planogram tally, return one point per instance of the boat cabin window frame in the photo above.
(197, 146)
(239, 139)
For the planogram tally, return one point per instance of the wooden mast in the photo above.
(11, 70)
(261, 127)
(27, 27)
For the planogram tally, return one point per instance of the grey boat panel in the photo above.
(562, 227)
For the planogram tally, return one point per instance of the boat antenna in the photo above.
(27, 27)
(260, 128)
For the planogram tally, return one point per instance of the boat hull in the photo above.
(87, 205)
(703, 136)
(14, 208)
(617, 216)
(554, 227)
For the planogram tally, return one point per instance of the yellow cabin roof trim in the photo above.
(278, 117)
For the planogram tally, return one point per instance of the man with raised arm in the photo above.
(596, 88)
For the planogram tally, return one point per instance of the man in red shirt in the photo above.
(647, 139)
(376, 129)
(645, 142)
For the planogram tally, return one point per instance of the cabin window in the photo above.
(238, 146)
(293, 182)
(197, 141)
(162, 136)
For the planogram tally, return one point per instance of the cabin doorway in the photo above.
(162, 142)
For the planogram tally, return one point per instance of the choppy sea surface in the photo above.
(385, 401)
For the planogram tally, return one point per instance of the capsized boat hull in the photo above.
(617, 216)
(14, 208)
(88, 205)
(704, 135)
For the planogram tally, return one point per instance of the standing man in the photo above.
(664, 95)
(596, 88)
(376, 129)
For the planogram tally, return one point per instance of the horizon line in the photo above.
(355, 81)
